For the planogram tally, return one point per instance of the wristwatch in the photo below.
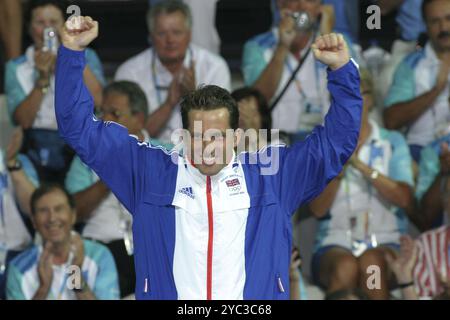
(374, 175)
(44, 90)
(43, 86)
(15, 167)
(405, 285)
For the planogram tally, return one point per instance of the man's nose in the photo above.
(53, 215)
(170, 38)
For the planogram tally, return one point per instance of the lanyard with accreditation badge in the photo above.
(65, 277)
(300, 88)
(3, 241)
(156, 84)
(358, 245)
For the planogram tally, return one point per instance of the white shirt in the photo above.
(109, 220)
(363, 208)
(436, 118)
(106, 222)
(209, 69)
(13, 233)
(292, 113)
(45, 117)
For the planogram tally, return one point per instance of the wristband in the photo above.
(405, 285)
(16, 167)
(374, 175)
(43, 86)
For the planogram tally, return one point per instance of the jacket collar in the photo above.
(200, 178)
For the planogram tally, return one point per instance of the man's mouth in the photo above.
(209, 160)
(54, 228)
(171, 49)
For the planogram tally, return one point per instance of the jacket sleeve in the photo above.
(307, 167)
(106, 147)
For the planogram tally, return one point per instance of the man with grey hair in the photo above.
(204, 31)
(172, 67)
(106, 220)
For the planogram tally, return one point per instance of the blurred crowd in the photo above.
(55, 212)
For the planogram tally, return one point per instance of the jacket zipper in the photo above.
(280, 284)
(210, 239)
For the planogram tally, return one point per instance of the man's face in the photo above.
(211, 149)
(116, 107)
(44, 17)
(53, 217)
(437, 15)
(312, 7)
(171, 37)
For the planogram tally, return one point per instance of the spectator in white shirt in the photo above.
(172, 67)
(204, 31)
(18, 180)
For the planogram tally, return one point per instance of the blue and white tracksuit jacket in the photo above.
(221, 237)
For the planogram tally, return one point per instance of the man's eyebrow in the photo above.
(61, 205)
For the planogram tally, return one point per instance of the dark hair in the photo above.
(263, 106)
(34, 4)
(136, 97)
(60, 4)
(207, 98)
(168, 7)
(46, 189)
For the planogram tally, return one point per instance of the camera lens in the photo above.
(302, 21)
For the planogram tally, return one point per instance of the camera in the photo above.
(303, 21)
(50, 40)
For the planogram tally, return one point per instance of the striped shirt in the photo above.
(432, 259)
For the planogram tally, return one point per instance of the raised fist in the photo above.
(332, 50)
(79, 32)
